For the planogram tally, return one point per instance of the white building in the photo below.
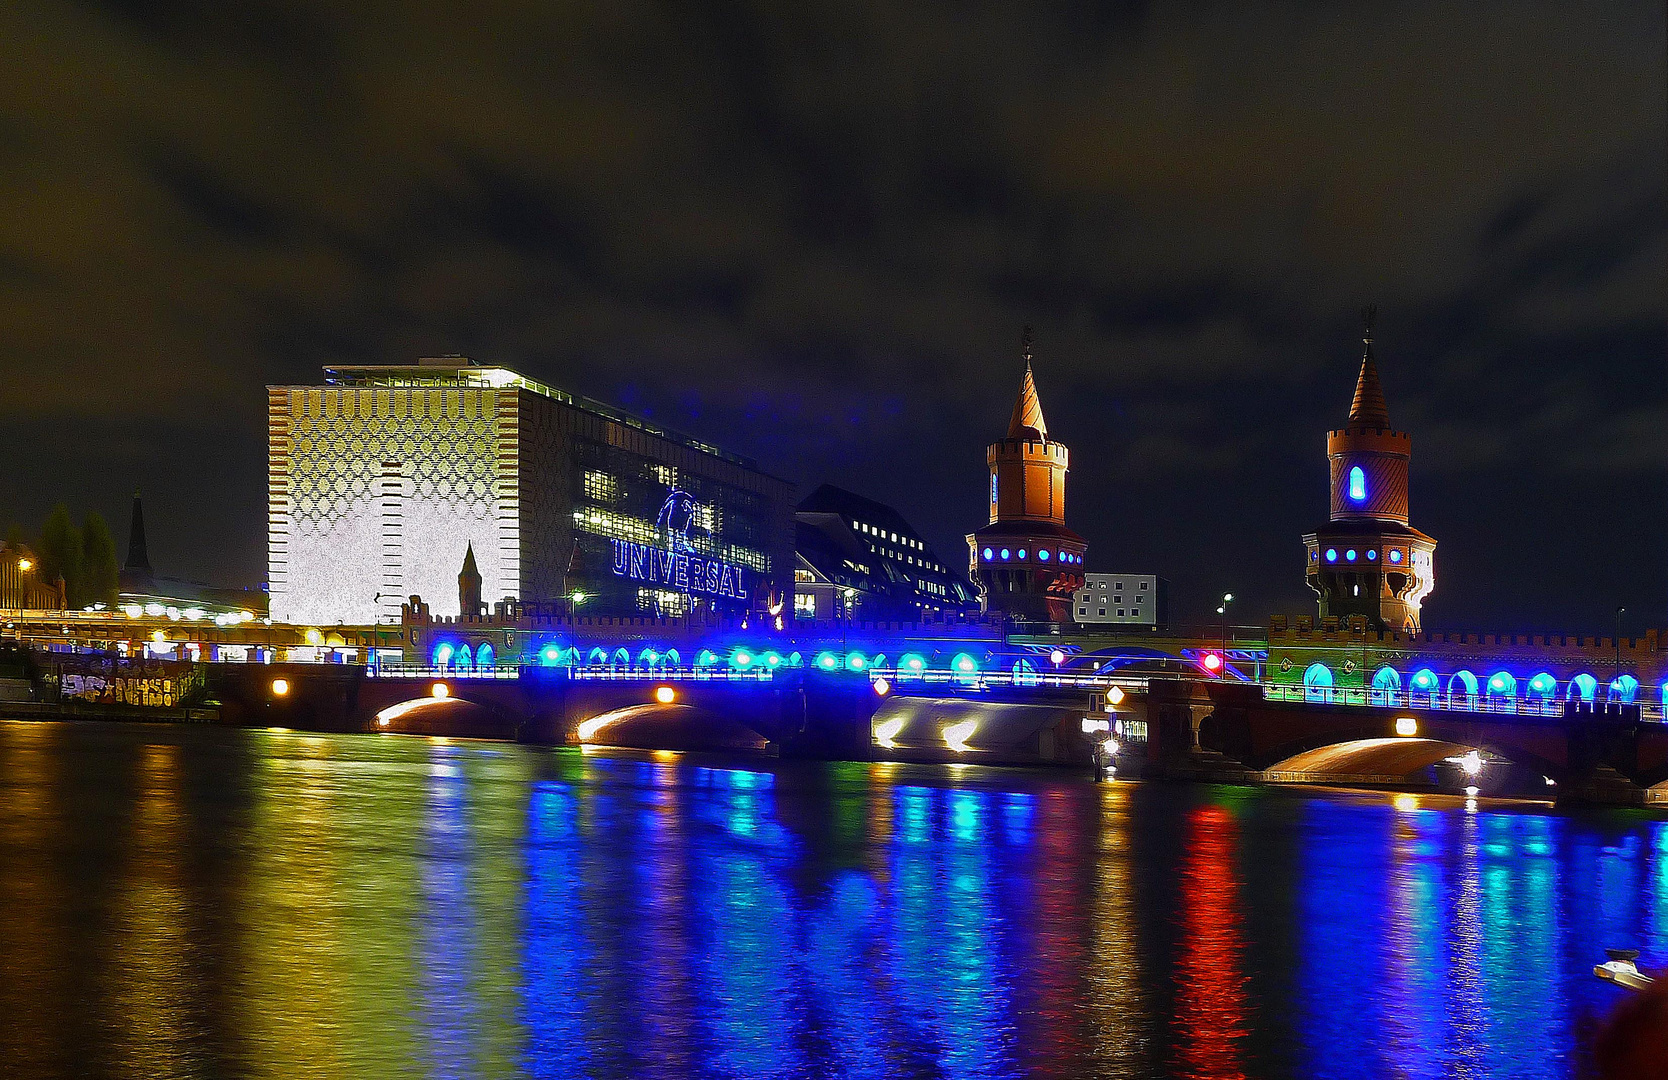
(1122, 600)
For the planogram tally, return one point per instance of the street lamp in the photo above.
(1222, 610)
(849, 594)
(1617, 674)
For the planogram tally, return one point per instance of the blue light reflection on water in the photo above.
(620, 915)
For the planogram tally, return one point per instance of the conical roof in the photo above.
(1028, 422)
(1368, 410)
(138, 556)
(469, 569)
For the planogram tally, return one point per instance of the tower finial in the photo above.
(1025, 345)
(1368, 314)
(1367, 408)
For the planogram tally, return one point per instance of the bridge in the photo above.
(1162, 726)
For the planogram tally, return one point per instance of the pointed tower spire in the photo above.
(138, 558)
(469, 585)
(1368, 410)
(1027, 422)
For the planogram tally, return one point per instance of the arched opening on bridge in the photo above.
(795, 659)
(450, 716)
(671, 659)
(1387, 681)
(484, 657)
(1502, 685)
(656, 726)
(1543, 687)
(965, 668)
(1422, 761)
(1317, 682)
(1624, 689)
(1582, 688)
(1025, 673)
(443, 655)
(648, 659)
(911, 665)
(464, 660)
(621, 660)
(1425, 682)
(706, 658)
(1463, 682)
(1369, 758)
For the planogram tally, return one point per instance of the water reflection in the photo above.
(205, 903)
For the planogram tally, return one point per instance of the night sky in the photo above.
(812, 233)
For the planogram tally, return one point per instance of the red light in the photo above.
(1212, 661)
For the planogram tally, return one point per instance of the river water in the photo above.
(193, 901)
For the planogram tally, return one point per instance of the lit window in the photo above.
(1350, 555)
(1331, 554)
(1395, 556)
(1357, 484)
(1006, 553)
(987, 554)
(1022, 553)
(1043, 555)
(1371, 554)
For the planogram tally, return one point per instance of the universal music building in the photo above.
(383, 479)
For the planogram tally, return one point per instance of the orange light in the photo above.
(440, 690)
(665, 695)
(25, 565)
(280, 687)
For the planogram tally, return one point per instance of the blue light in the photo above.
(741, 659)
(1043, 555)
(964, 664)
(1583, 686)
(1502, 683)
(1624, 689)
(857, 661)
(1424, 679)
(1350, 554)
(1005, 553)
(987, 554)
(1357, 484)
(1395, 556)
(1665, 693)
(827, 661)
(1543, 684)
(706, 658)
(1371, 554)
(1022, 553)
(1331, 554)
(550, 656)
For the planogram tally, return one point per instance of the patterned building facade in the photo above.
(383, 479)
(1025, 561)
(1368, 560)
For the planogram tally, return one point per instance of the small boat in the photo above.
(1620, 969)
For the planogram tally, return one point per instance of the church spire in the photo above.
(1027, 422)
(138, 558)
(1368, 409)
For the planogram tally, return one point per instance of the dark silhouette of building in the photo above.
(469, 584)
(1025, 561)
(858, 557)
(136, 574)
(1368, 560)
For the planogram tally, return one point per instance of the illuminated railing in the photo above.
(1449, 701)
(1025, 680)
(586, 672)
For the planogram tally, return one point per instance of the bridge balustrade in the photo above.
(1452, 701)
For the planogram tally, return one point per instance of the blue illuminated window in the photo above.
(987, 554)
(1022, 553)
(1543, 685)
(1624, 689)
(1424, 679)
(1005, 553)
(1331, 554)
(1357, 484)
(1395, 556)
(1582, 688)
(1371, 554)
(1503, 684)
(1043, 555)
(1350, 554)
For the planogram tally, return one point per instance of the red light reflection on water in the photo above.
(1210, 982)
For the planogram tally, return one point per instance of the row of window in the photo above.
(1392, 555)
(1132, 613)
(1583, 687)
(1043, 555)
(883, 535)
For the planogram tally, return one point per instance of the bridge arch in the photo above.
(1361, 757)
(1502, 684)
(484, 656)
(1624, 689)
(452, 715)
(1317, 682)
(1582, 688)
(1543, 687)
(669, 726)
(1464, 681)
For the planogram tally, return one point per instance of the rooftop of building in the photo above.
(461, 371)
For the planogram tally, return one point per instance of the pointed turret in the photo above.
(469, 584)
(1027, 422)
(138, 558)
(1368, 409)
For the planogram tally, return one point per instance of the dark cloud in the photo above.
(812, 232)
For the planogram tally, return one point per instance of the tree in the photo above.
(98, 562)
(60, 553)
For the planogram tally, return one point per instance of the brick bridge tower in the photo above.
(1367, 560)
(1025, 561)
